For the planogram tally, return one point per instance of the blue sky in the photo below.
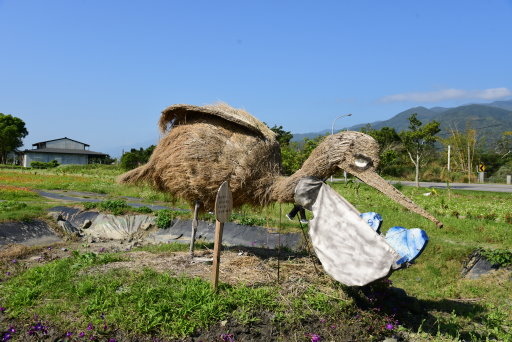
(102, 71)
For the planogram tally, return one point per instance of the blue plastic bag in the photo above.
(408, 243)
(373, 219)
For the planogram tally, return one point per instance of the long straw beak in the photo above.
(373, 179)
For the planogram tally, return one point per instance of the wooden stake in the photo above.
(223, 207)
(194, 229)
(219, 227)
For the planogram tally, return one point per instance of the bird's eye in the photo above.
(361, 163)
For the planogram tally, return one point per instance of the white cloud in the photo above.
(449, 94)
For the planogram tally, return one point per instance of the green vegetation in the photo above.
(499, 257)
(87, 178)
(43, 165)
(12, 132)
(441, 304)
(68, 294)
(142, 302)
(21, 211)
(130, 160)
(116, 207)
(20, 203)
(165, 217)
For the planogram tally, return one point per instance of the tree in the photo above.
(504, 144)
(462, 151)
(284, 137)
(134, 158)
(12, 132)
(391, 150)
(106, 159)
(419, 140)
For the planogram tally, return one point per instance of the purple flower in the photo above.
(14, 261)
(112, 340)
(90, 327)
(6, 337)
(390, 326)
(38, 327)
(315, 338)
(227, 337)
(11, 330)
(2, 309)
(82, 334)
(69, 334)
(322, 320)
(8, 273)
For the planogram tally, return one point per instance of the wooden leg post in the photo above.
(194, 229)
(219, 227)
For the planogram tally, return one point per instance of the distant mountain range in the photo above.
(489, 120)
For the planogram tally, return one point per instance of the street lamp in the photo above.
(332, 132)
(340, 116)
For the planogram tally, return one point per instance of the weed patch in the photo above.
(498, 257)
(115, 207)
(164, 218)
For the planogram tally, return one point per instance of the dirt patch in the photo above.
(236, 267)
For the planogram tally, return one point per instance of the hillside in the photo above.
(490, 120)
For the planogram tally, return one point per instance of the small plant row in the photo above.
(11, 167)
(12, 205)
(116, 207)
(43, 165)
(165, 217)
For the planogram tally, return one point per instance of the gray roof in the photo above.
(65, 138)
(64, 151)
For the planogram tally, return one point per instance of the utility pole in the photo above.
(469, 164)
(449, 155)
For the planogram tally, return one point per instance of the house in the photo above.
(63, 150)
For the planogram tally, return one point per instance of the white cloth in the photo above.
(349, 250)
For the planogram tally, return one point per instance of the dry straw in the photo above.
(205, 146)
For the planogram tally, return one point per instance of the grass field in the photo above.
(440, 305)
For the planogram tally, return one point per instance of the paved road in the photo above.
(456, 186)
(465, 186)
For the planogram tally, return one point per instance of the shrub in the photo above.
(116, 207)
(43, 165)
(144, 210)
(90, 205)
(164, 218)
(500, 257)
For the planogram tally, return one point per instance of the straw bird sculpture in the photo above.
(207, 145)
